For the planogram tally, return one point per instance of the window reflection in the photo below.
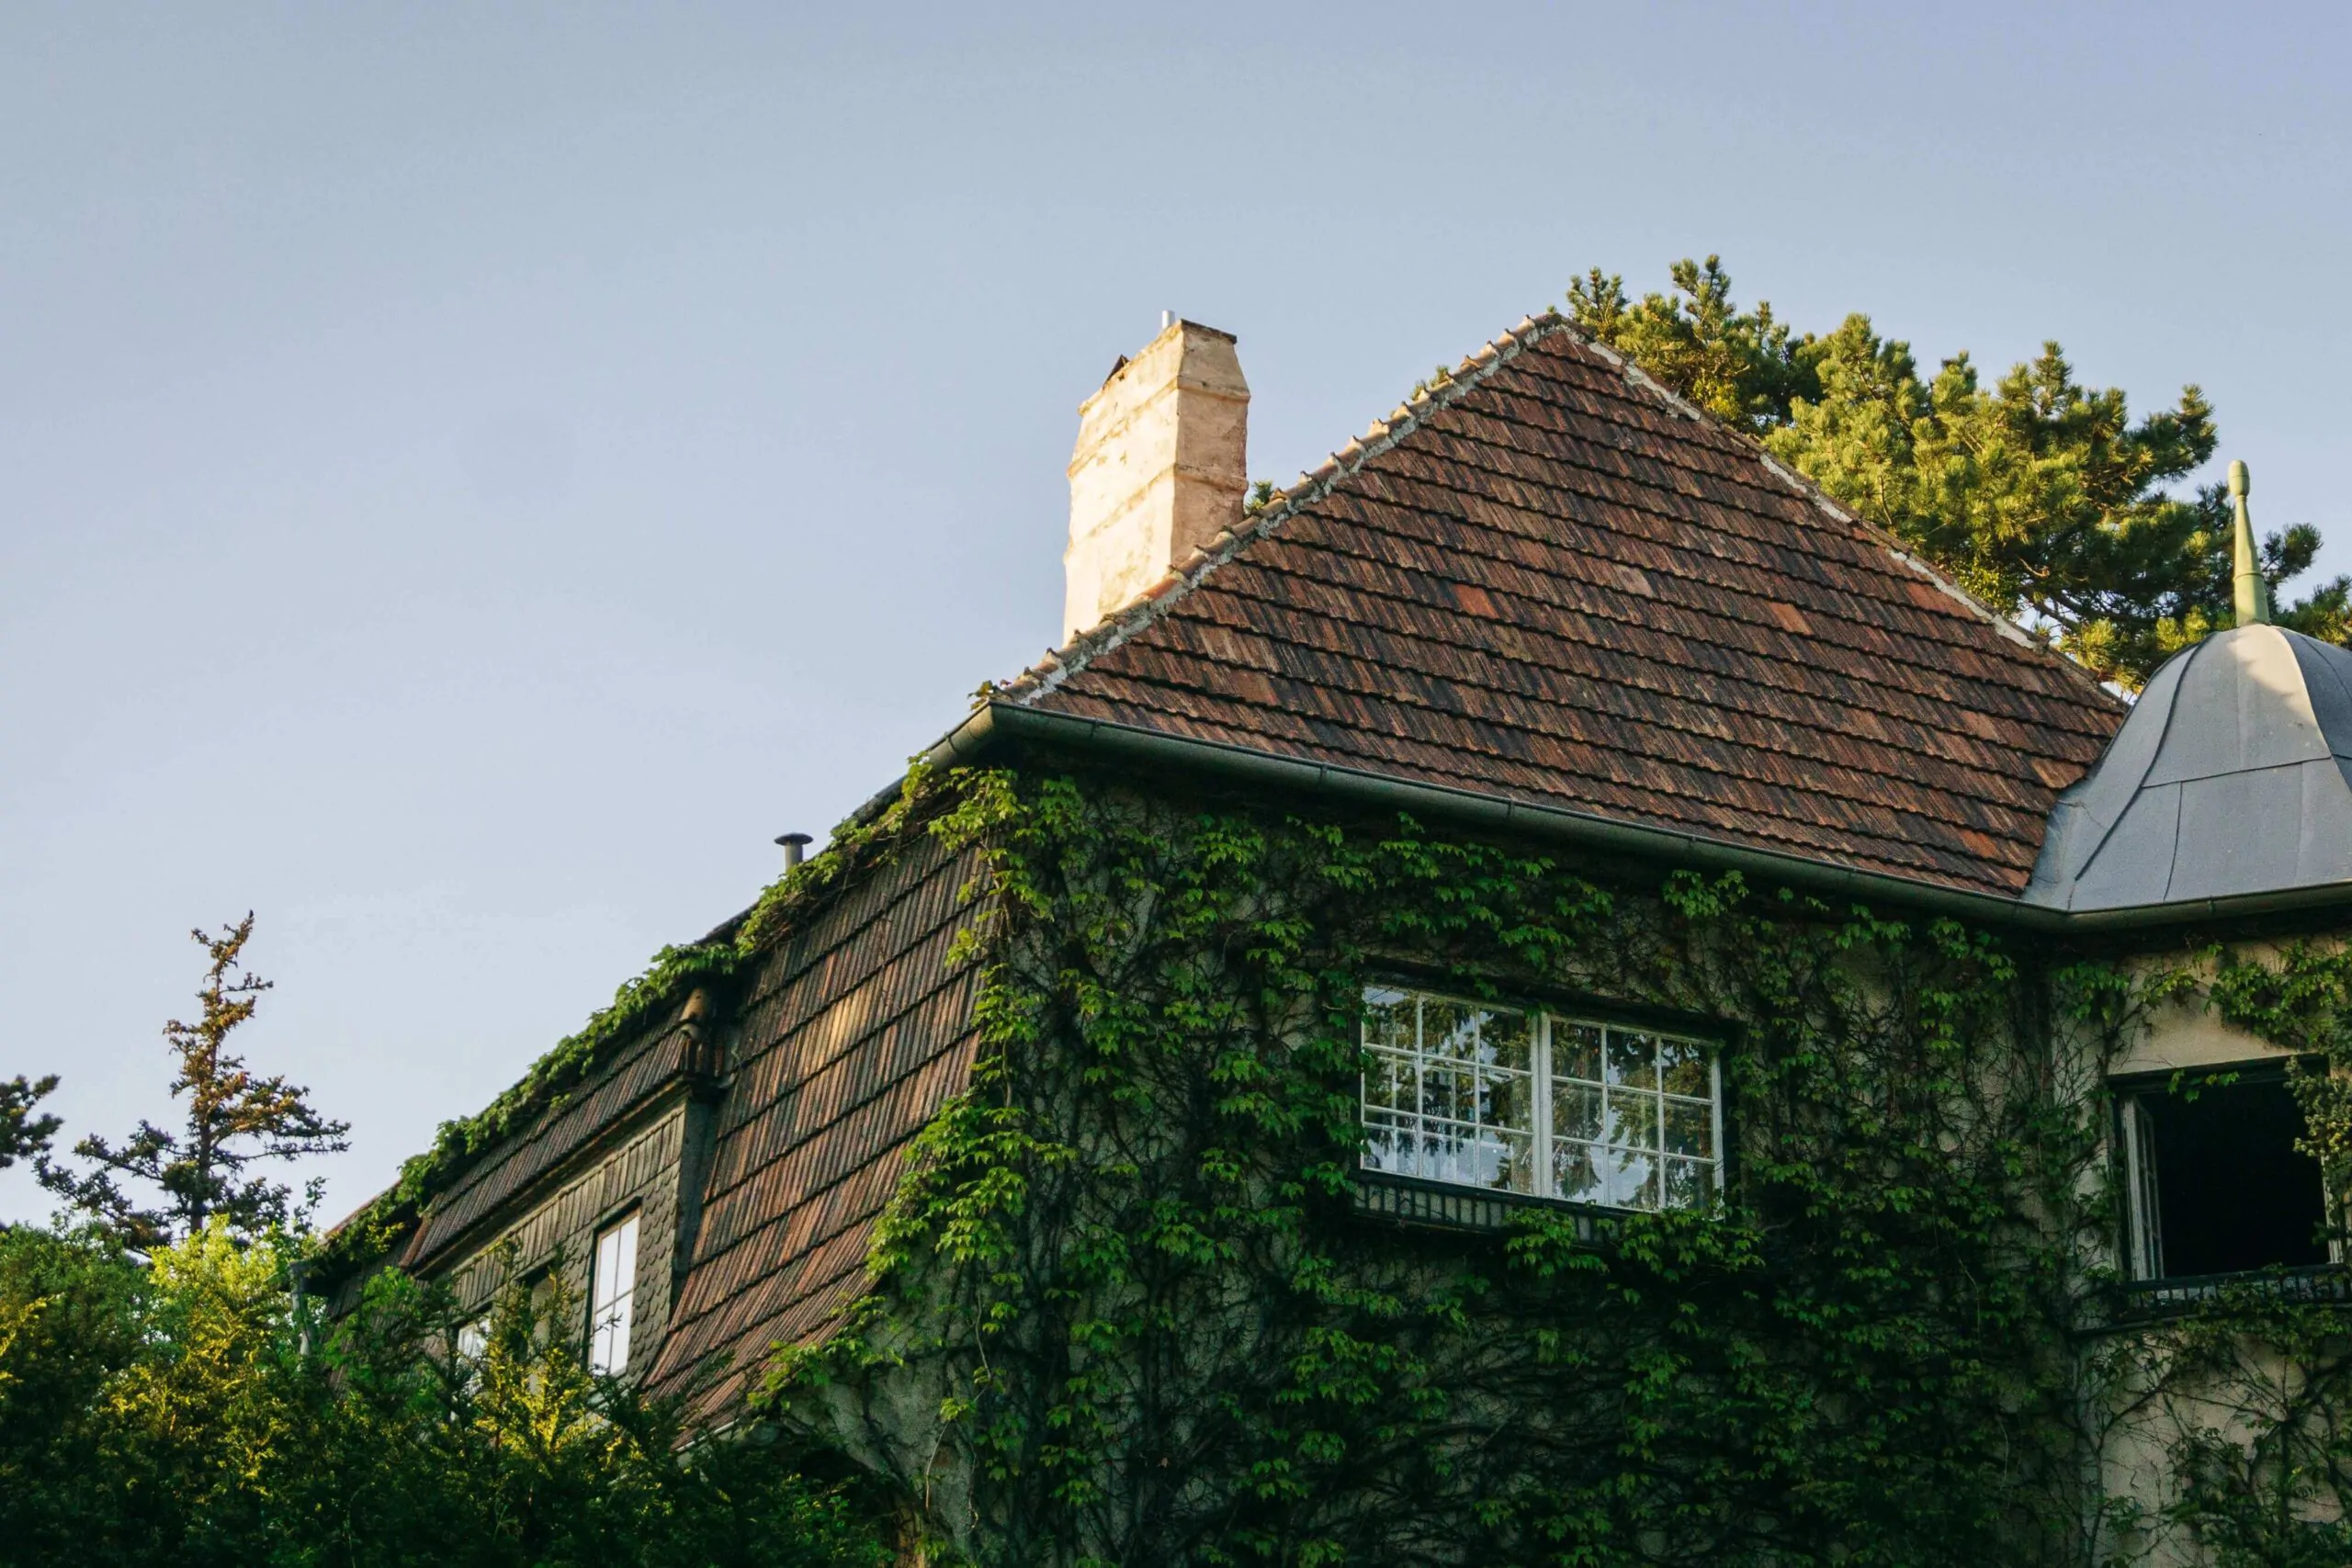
(1523, 1101)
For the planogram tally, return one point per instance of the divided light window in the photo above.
(610, 1299)
(1552, 1106)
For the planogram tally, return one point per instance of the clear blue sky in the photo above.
(470, 475)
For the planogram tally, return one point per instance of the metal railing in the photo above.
(2311, 1282)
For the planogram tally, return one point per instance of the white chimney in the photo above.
(1159, 468)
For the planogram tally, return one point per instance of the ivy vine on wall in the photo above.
(1124, 1310)
(1126, 1265)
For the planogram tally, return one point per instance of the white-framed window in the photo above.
(1544, 1103)
(611, 1295)
(473, 1337)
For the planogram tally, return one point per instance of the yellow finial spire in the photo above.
(2253, 594)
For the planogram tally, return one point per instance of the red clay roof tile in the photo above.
(1553, 581)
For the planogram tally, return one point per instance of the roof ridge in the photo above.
(1146, 607)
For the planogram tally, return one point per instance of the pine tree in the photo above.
(234, 1119)
(1743, 367)
(24, 1135)
(2040, 495)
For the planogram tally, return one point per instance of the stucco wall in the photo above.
(2143, 1402)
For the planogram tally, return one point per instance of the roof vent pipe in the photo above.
(2252, 591)
(793, 844)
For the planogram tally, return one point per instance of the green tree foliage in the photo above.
(2040, 495)
(234, 1119)
(193, 1411)
(24, 1135)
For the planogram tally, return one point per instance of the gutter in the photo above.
(994, 725)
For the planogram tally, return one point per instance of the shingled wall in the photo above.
(854, 1032)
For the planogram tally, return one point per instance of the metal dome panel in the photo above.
(2233, 775)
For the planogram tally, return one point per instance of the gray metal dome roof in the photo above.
(2233, 775)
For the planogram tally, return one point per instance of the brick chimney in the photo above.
(1158, 470)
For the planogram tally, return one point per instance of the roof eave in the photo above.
(993, 727)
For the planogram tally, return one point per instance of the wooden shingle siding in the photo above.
(505, 1173)
(640, 1176)
(855, 1032)
(1562, 588)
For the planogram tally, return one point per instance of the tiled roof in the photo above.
(856, 1032)
(1552, 582)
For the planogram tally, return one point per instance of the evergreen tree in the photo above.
(234, 1119)
(24, 1135)
(2040, 495)
(1745, 367)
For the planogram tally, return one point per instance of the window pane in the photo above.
(1519, 1163)
(611, 1297)
(1387, 1020)
(1477, 1156)
(1632, 1059)
(1450, 1030)
(1446, 1153)
(1684, 1063)
(1449, 1088)
(1577, 1173)
(1506, 1161)
(1690, 1183)
(2232, 1192)
(1451, 1093)
(1507, 1040)
(1388, 1143)
(1632, 1120)
(543, 1308)
(1631, 1175)
(1507, 1100)
(1434, 1150)
(1576, 1112)
(1690, 1128)
(1576, 1050)
(1389, 1081)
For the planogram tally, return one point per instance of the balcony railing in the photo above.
(2313, 1282)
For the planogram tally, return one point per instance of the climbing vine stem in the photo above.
(1128, 1265)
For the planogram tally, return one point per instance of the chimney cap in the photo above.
(788, 839)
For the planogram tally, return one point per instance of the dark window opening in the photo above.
(2218, 1186)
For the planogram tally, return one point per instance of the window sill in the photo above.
(1445, 1205)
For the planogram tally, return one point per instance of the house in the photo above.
(1547, 993)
